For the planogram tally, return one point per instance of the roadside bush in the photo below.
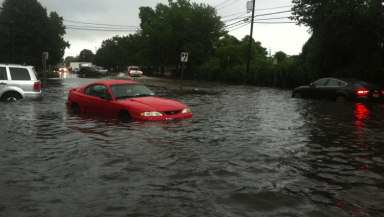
(208, 70)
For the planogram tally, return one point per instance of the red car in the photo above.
(126, 99)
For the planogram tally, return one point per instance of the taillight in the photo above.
(37, 86)
(382, 92)
(362, 92)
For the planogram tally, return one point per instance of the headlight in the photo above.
(150, 114)
(186, 111)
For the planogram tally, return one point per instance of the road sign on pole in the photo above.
(184, 57)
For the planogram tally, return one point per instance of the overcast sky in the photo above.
(286, 37)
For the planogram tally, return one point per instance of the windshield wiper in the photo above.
(122, 97)
(139, 95)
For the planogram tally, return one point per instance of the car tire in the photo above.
(75, 107)
(297, 95)
(124, 115)
(341, 98)
(11, 97)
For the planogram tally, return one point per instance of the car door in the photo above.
(100, 100)
(3, 79)
(331, 89)
(317, 89)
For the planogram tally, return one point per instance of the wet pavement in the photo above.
(248, 151)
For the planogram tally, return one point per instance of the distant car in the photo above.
(19, 82)
(88, 72)
(101, 69)
(340, 90)
(126, 99)
(134, 71)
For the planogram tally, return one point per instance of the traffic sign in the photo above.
(184, 57)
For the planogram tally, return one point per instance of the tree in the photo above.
(27, 32)
(347, 36)
(280, 56)
(179, 27)
(86, 56)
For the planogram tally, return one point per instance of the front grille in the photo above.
(172, 112)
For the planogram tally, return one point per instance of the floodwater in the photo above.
(248, 151)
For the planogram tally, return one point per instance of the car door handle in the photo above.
(3, 83)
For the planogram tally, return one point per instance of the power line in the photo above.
(273, 8)
(235, 14)
(221, 3)
(97, 27)
(239, 27)
(104, 30)
(98, 24)
(227, 5)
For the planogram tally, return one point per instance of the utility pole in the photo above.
(12, 21)
(250, 38)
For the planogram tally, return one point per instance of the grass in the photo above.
(165, 84)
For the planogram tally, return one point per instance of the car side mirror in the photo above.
(106, 97)
(312, 84)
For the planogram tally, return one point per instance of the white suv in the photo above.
(19, 82)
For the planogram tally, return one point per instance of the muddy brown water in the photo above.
(248, 151)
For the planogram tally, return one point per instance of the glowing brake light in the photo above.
(37, 86)
(362, 92)
(382, 92)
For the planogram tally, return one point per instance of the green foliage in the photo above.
(347, 37)
(86, 56)
(180, 26)
(27, 32)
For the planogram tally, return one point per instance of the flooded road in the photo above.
(248, 151)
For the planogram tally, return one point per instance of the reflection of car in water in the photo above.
(340, 90)
(125, 99)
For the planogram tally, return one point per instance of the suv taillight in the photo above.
(362, 92)
(37, 86)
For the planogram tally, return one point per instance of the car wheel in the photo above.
(75, 107)
(11, 97)
(124, 115)
(297, 95)
(83, 75)
(340, 98)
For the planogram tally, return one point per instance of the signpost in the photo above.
(184, 59)
(274, 72)
(44, 59)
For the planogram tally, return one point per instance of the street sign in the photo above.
(184, 57)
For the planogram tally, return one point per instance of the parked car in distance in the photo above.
(340, 90)
(125, 99)
(19, 82)
(101, 69)
(134, 71)
(88, 72)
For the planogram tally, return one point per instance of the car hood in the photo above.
(155, 103)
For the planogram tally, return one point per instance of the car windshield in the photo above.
(133, 68)
(124, 91)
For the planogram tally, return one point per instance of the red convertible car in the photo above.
(126, 99)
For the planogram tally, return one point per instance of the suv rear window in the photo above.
(19, 74)
(3, 73)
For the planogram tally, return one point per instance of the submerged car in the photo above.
(19, 82)
(340, 90)
(125, 99)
